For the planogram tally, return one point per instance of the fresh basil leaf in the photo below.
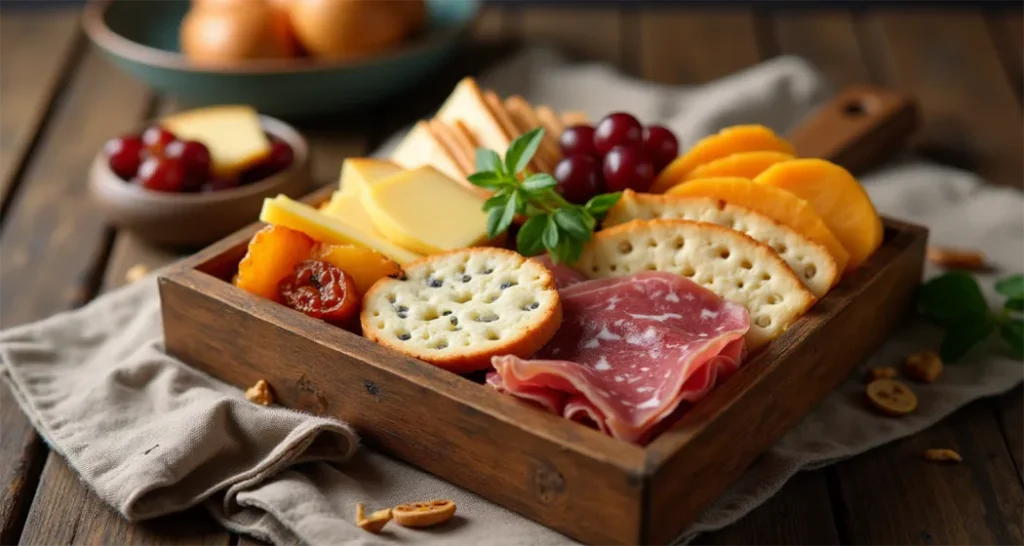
(1012, 332)
(497, 200)
(599, 204)
(489, 161)
(1011, 287)
(487, 180)
(568, 252)
(1014, 304)
(573, 223)
(529, 239)
(494, 222)
(521, 151)
(509, 212)
(550, 237)
(953, 299)
(539, 181)
(961, 337)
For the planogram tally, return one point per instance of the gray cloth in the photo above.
(152, 436)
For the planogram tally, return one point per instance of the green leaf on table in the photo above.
(599, 204)
(539, 181)
(486, 179)
(489, 161)
(550, 236)
(573, 223)
(953, 299)
(529, 240)
(1012, 332)
(961, 337)
(1011, 287)
(1014, 304)
(521, 151)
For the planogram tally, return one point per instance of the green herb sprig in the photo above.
(954, 302)
(552, 223)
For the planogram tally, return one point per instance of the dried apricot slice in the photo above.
(743, 165)
(376, 522)
(728, 141)
(366, 266)
(273, 253)
(424, 514)
(891, 397)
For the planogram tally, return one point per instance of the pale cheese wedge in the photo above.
(426, 211)
(358, 173)
(232, 134)
(349, 209)
(420, 148)
(727, 262)
(809, 260)
(283, 211)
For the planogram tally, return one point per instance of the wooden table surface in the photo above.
(60, 100)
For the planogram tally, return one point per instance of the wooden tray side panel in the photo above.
(239, 339)
(694, 462)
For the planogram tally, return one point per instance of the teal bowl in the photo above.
(142, 39)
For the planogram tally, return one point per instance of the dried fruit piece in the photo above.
(366, 266)
(424, 514)
(376, 522)
(260, 394)
(891, 397)
(951, 258)
(320, 290)
(881, 373)
(943, 455)
(273, 254)
(923, 366)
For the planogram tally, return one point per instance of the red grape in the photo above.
(578, 178)
(618, 129)
(279, 158)
(156, 138)
(628, 167)
(162, 174)
(195, 157)
(661, 146)
(578, 140)
(124, 155)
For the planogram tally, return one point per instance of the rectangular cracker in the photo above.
(467, 104)
(526, 120)
(575, 117)
(552, 124)
(445, 134)
(493, 101)
(420, 147)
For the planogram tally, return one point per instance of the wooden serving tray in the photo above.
(576, 480)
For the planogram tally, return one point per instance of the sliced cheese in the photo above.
(283, 211)
(233, 135)
(420, 148)
(349, 209)
(358, 173)
(426, 211)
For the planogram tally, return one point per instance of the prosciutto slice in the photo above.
(630, 351)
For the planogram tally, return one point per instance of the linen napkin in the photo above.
(152, 436)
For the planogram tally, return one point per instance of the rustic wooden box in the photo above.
(589, 486)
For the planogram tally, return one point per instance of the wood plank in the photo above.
(1010, 414)
(972, 118)
(22, 453)
(1007, 30)
(692, 46)
(828, 39)
(587, 33)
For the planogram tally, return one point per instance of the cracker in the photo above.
(526, 120)
(493, 101)
(467, 104)
(811, 261)
(445, 134)
(420, 148)
(575, 117)
(550, 121)
(458, 309)
(727, 262)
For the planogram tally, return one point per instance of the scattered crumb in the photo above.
(890, 397)
(135, 273)
(881, 373)
(424, 514)
(952, 258)
(943, 455)
(260, 394)
(376, 522)
(924, 366)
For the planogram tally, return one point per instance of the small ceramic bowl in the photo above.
(142, 39)
(192, 220)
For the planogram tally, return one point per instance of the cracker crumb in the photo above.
(135, 273)
(954, 258)
(376, 522)
(260, 394)
(881, 373)
(943, 455)
(924, 366)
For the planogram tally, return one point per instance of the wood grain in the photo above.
(827, 39)
(1007, 30)
(666, 58)
(585, 33)
(22, 453)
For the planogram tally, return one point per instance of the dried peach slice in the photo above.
(891, 397)
(728, 141)
(837, 197)
(366, 266)
(423, 514)
(273, 254)
(777, 204)
(743, 165)
(373, 523)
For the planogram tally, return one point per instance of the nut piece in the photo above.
(951, 258)
(891, 397)
(881, 373)
(376, 522)
(260, 394)
(943, 455)
(135, 273)
(923, 366)
(424, 514)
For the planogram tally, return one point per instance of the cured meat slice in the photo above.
(631, 350)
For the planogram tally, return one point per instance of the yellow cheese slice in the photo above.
(233, 135)
(358, 173)
(283, 211)
(426, 211)
(349, 209)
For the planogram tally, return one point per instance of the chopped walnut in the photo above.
(924, 366)
(881, 373)
(135, 273)
(376, 522)
(260, 394)
(951, 258)
(943, 455)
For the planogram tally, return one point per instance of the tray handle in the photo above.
(860, 127)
